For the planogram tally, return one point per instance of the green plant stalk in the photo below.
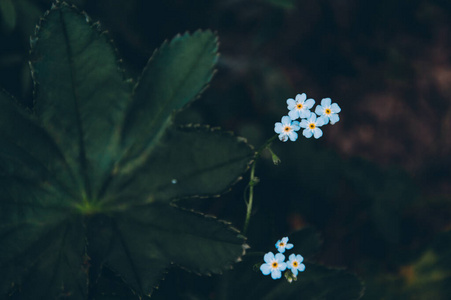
(252, 182)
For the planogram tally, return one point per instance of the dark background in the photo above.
(377, 185)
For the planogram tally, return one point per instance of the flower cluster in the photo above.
(275, 264)
(299, 108)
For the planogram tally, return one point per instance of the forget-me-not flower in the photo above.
(287, 129)
(274, 265)
(283, 244)
(311, 125)
(300, 108)
(328, 111)
(295, 264)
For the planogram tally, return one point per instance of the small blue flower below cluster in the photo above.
(295, 264)
(283, 244)
(275, 264)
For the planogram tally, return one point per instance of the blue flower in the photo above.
(274, 265)
(295, 264)
(287, 129)
(282, 244)
(300, 108)
(311, 125)
(328, 111)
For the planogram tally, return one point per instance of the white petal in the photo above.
(301, 97)
(269, 257)
(303, 124)
(318, 133)
(335, 108)
(278, 127)
(326, 102)
(276, 274)
(319, 110)
(305, 113)
(286, 120)
(282, 266)
(307, 133)
(283, 137)
(293, 114)
(291, 103)
(323, 120)
(280, 257)
(309, 103)
(334, 119)
(265, 268)
(301, 267)
(312, 118)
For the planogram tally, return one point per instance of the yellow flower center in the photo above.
(275, 264)
(299, 106)
(295, 264)
(327, 111)
(287, 128)
(312, 126)
(282, 244)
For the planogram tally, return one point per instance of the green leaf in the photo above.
(174, 76)
(188, 161)
(39, 237)
(42, 243)
(147, 239)
(81, 93)
(143, 228)
(26, 150)
(69, 209)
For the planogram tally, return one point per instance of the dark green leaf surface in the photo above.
(173, 77)
(81, 94)
(42, 245)
(39, 239)
(147, 239)
(26, 150)
(188, 161)
(69, 210)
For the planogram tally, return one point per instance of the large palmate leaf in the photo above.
(88, 180)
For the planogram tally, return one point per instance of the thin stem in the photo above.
(250, 199)
(253, 181)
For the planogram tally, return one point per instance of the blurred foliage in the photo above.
(381, 194)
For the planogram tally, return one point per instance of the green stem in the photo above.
(253, 181)
(250, 199)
